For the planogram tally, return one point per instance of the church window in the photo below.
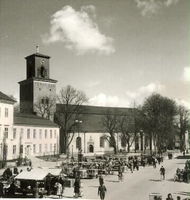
(47, 101)
(43, 72)
(54, 133)
(50, 133)
(123, 141)
(91, 148)
(78, 142)
(102, 141)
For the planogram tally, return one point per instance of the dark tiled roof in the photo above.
(32, 120)
(6, 98)
(38, 79)
(39, 55)
(92, 116)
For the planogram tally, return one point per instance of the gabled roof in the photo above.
(5, 98)
(32, 120)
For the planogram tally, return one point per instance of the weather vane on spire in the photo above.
(37, 48)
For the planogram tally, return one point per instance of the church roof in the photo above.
(5, 98)
(92, 116)
(39, 55)
(38, 79)
(32, 120)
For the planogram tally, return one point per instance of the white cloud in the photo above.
(138, 96)
(111, 101)
(144, 91)
(183, 103)
(149, 7)
(186, 74)
(78, 31)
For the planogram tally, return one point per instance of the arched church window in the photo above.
(78, 142)
(102, 142)
(123, 141)
(91, 148)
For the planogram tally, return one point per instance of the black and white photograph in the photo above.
(95, 99)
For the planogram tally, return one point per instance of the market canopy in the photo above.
(34, 174)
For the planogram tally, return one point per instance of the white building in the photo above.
(90, 135)
(34, 136)
(24, 134)
(6, 126)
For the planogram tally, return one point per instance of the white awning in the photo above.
(35, 174)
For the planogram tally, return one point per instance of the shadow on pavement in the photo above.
(112, 181)
(171, 179)
(93, 186)
(184, 193)
(183, 157)
(155, 180)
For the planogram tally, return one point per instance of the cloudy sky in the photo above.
(116, 51)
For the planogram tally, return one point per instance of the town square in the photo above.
(94, 99)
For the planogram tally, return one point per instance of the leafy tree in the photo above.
(68, 110)
(183, 124)
(159, 113)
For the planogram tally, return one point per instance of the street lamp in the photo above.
(78, 122)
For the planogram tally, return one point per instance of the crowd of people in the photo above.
(105, 166)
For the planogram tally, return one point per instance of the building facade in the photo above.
(6, 126)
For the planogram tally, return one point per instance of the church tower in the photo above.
(38, 91)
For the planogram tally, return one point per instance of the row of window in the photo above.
(79, 143)
(6, 112)
(47, 148)
(36, 134)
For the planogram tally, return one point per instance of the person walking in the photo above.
(162, 172)
(101, 180)
(102, 191)
(77, 187)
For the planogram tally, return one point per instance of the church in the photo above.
(33, 131)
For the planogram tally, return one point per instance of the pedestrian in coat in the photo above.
(77, 187)
(162, 172)
(101, 180)
(102, 191)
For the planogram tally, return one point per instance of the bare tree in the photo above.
(45, 107)
(126, 129)
(110, 124)
(68, 110)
